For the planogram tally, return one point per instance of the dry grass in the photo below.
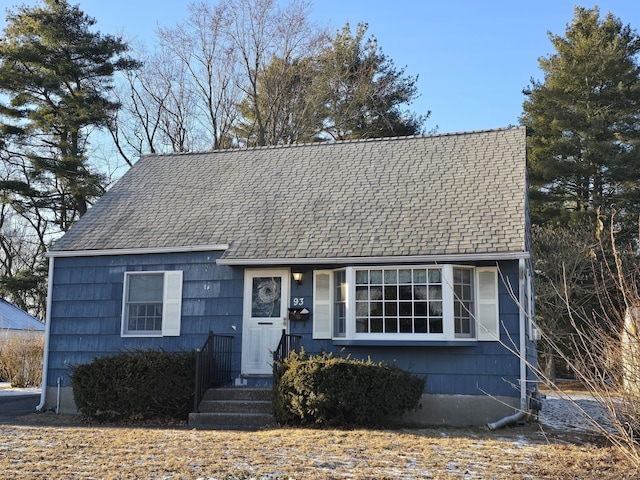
(42, 450)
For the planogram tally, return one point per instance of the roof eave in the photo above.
(441, 258)
(137, 251)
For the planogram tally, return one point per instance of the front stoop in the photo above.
(239, 408)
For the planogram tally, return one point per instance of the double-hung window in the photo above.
(152, 304)
(432, 302)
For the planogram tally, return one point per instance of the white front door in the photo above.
(266, 297)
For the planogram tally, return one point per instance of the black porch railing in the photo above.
(213, 365)
(288, 343)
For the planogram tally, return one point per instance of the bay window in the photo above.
(434, 302)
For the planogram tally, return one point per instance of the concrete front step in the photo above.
(238, 408)
(229, 421)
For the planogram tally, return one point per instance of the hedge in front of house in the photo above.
(335, 391)
(136, 384)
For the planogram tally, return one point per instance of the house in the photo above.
(15, 321)
(410, 250)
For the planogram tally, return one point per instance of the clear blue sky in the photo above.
(473, 57)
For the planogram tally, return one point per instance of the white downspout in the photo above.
(523, 336)
(45, 363)
(522, 353)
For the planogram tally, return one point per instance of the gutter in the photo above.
(442, 258)
(45, 363)
(137, 251)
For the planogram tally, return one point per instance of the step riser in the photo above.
(235, 406)
(238, 394)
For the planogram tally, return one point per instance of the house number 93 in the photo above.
(298, 301)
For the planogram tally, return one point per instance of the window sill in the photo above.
(142, 335)
(406, 343)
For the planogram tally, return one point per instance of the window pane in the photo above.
(390, 309)
(405, 309)
(420, 292)
(362, 308)
(391, 325)
(375, 309)
(376, 325)
(435, 275)
(457, 275)
(406, 325)
(435, 325)
(145, 288)
(265, 297)
(375, 277)
(405, 292)
(404, 276)
(362, 293)
(362, 324)
(375, 293)
(391, 292)
(420, 308)
(435, 309)
(420, 275)
(420, 325)
(435, 292)
(362, 277)
(390, 277)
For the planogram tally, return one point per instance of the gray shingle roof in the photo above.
(461, 193)
(14, 318)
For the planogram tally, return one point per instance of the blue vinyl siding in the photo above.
(87, 304)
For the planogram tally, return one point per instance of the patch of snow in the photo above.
(576, 412)
(6, 390)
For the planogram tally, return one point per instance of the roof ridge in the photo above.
(335, 142)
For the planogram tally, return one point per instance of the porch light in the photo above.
(297, 276)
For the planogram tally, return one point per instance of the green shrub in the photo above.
(21, 358)
(328, 390)
(136, 384)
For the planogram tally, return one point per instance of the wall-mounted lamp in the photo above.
(297, 276)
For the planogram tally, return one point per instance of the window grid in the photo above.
(145, 317)
(399, 300)
(463, 305)
(340, 305)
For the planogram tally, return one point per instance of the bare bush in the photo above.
(603, 348)
(21, 357)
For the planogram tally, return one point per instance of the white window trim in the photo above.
(171, 304)
(480, 333)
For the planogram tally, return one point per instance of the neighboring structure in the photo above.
(412, 250)
(15, 321)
